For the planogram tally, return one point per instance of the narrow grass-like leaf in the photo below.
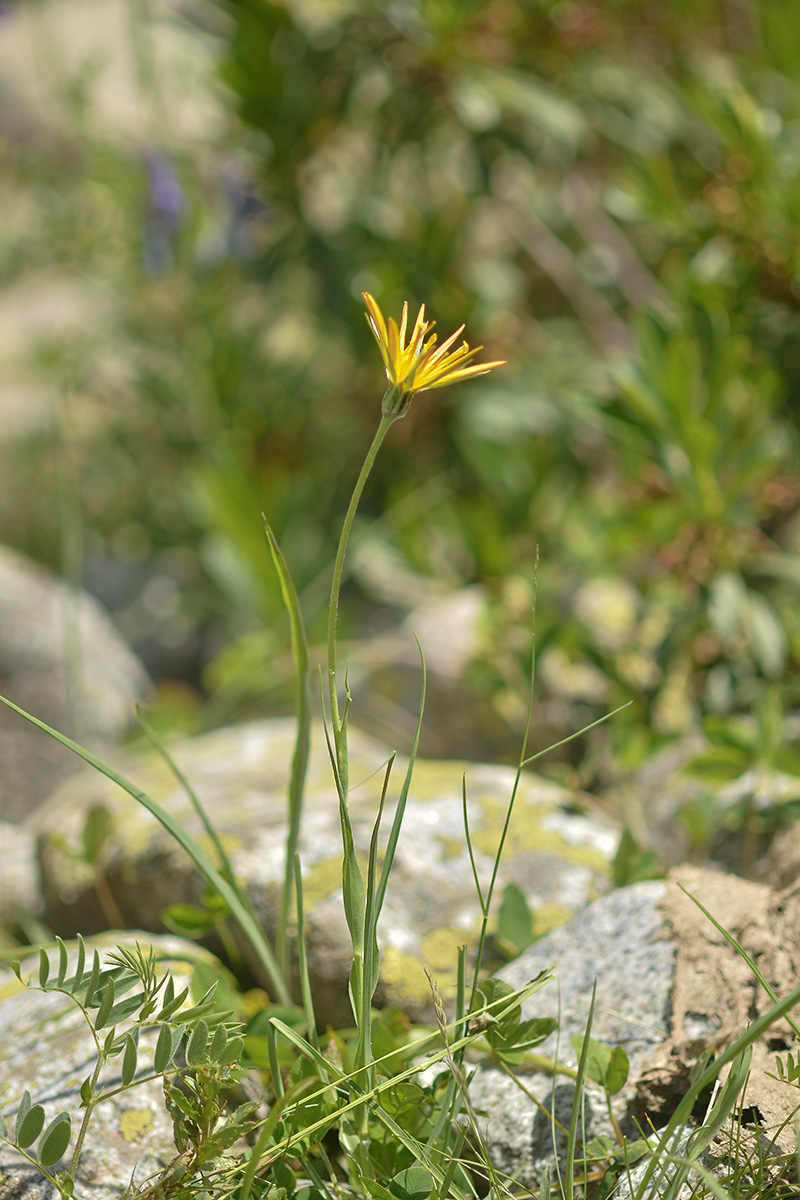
(302, 958)
(55, 1140)
(106, 1005)
(740, 950)
(196, 1048)
(274, 1062)
(583, 1062)
(370, 945)
(44, 967)
(705, 1078)
(571, 738)
(394, 834)
(299, 646)
(129, 1058)
(161, 749)
(28, 1129)
(248, 923)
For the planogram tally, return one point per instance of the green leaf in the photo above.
(62, 961)
(597, 1060)
(245, 918)
(44, 967)
(415, 1183)
(633, 863)
(55, 1140)
(124, 1008)
(95, 831)
(3, 1127)
(196, 1048)
(28, 1129)
(65, 1182)
(376, 1190)
(515, 920)
(106, 1005)
(94, 979)
(719, 764)
(165, 1048)
(232, 1052)
(86, 1091)
(218, 1043)
(617, 1071)
(188, 920)
(528, 1034)
(24, 1108)
(502, 1026)
(172, 1005)
(129, 1060)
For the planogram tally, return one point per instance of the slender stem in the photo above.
(336, 584)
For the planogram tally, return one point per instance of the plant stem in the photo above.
(336, 585)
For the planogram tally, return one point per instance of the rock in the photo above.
(669, 987)
(656, 796)
(558, 858)
(20, 895)
(62, 660)
(47, 1048)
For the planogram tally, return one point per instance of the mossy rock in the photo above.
(558, 857)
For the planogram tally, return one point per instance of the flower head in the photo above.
(418, 365)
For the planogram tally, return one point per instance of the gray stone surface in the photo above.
(620, 941)
(559, 858)
(62, 660)
(46, 1048)
(20, 895)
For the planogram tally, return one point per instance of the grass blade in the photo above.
(200, 859)
(299, 646)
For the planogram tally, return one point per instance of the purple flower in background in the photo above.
(168, 208)
(167, 196)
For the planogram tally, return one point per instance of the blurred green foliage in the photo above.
(609, 196)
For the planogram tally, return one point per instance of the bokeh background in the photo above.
(193, 196)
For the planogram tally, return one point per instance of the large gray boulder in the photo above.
(669, 987)
(61, 659)
(558, 857)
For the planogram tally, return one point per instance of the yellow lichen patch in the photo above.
(325, 877)
(404, 979)
(451, 848)
(550, 916)
(135, 1124)
(433, 777)
(322, 880)
(229, 842)
(530, 835)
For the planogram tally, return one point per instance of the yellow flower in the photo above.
(418, 365)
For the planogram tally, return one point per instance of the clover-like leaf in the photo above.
(28, 1129)
(55, 1140)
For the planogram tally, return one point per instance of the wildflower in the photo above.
(418, 365)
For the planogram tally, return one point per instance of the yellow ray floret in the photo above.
(418, 365)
